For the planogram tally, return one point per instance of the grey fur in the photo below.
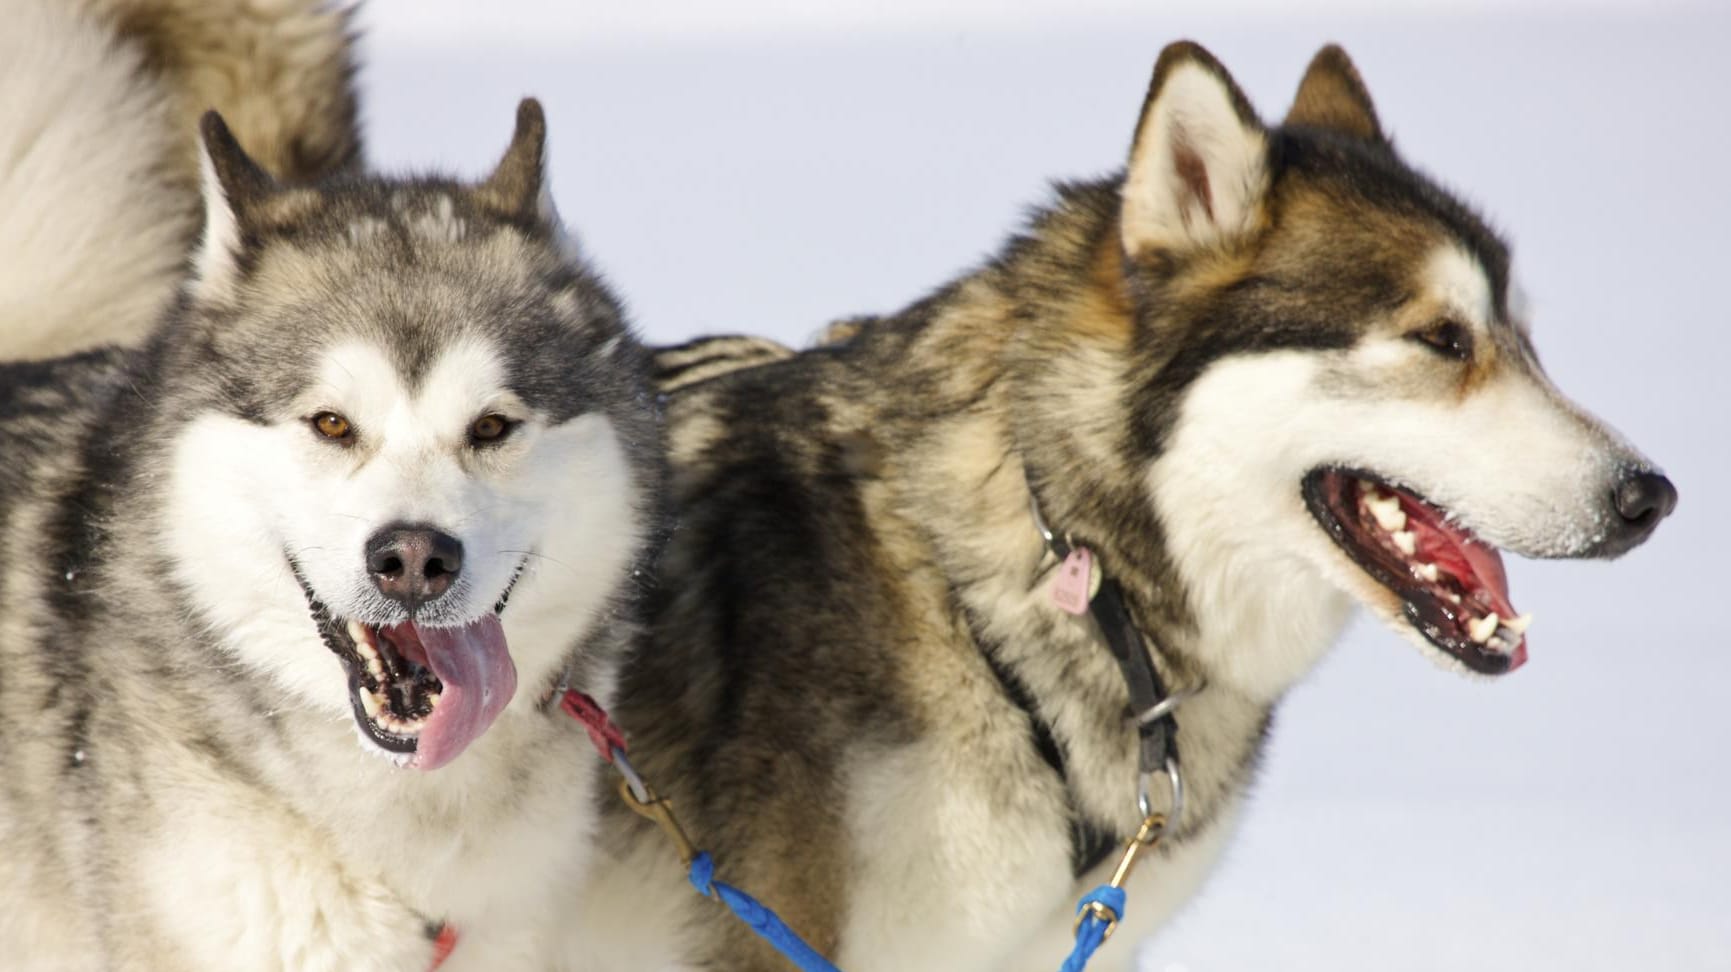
(125, 714)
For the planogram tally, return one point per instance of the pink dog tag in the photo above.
(1070, 591)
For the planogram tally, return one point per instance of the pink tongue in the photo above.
(1458, 553)
(479, 679)
(1488, 565)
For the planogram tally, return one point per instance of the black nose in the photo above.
(1643, 498)
(413, 564)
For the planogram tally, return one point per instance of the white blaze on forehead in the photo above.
(1457, 280)
(360, 380)
(464, 382)
(412, 439)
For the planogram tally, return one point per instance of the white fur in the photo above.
(1160, 886)
(215, 261)
(245, 495)
(998, 894)
(1192, 115)
(350, 878)
(993, 868)
(91, 222)
(441, 223)
(470, 842)
(1514, 461)
(1455, 279)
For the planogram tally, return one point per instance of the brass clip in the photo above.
(1146, 838)
(660, 810)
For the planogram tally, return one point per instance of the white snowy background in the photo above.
(769, 165)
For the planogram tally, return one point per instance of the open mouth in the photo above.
(1451, 585)
(422, 694)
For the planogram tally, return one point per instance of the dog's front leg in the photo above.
(234, 880)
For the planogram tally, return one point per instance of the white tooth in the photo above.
(1405, 541)
(1387, 511)
(1519, 623)
(1454, 598)
(1427, 571)
(377, 669)
(370, 703)
(432, 700)
(1499, 644)
(1482, 629)
(357, 631)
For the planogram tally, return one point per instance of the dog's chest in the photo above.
(964, 876)
(493, 844)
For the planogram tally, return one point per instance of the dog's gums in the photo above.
(1452, 585)
(393, 686)
(421, 694)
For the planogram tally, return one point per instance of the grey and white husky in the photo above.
(1266, 374)
(289, 590)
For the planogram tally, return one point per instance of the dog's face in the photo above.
(1362, 404)
(404, 482)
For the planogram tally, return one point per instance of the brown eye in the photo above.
(333, 426)
(489, 429)
(1448, 338)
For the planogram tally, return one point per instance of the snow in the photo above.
(774, 167)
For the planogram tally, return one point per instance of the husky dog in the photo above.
(1266, 374)
(291, 588)
(99, 107)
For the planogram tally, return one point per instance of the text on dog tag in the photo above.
(1071, 591)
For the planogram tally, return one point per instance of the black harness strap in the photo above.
(1089, 843)
(1157, 745)
(1124, 641)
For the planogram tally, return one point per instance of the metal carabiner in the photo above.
(1146, 805)
(659, 809)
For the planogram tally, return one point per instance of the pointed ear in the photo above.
(1332, 96)
(517, 189)
(1198, 168)
(233, 186)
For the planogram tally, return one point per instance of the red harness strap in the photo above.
(443, 944)
(602, 731)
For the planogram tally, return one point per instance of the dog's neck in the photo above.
(1025, 400)
(1010, 391)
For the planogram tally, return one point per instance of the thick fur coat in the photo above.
(1266, 374)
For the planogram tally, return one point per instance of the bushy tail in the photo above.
(99, 101)
(280, 71)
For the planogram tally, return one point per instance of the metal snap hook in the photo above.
(1175, 780)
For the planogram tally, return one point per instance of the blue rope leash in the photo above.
(1092, 929)
(758, 918)
(1097, 913)
(609, 743)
